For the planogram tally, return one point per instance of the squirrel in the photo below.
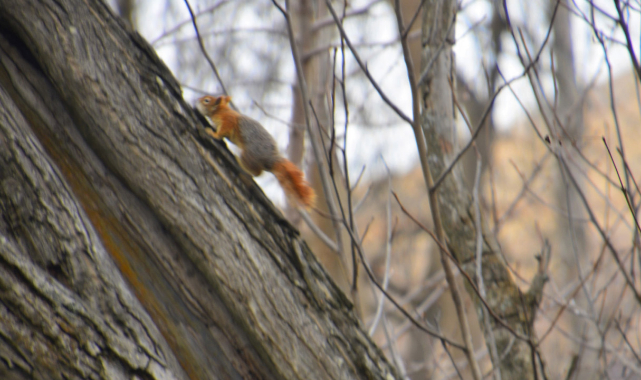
(259, 150)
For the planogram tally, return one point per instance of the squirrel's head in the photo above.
(207, 105)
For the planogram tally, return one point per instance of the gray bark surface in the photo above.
(513, 312)
(126, 247)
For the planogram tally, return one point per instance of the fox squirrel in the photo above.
(259, 150)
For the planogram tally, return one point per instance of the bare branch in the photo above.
(363, 67)
(204, 51)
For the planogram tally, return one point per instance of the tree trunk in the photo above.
(574, 253)
(126, 247)
(317, 72)
(512, 311)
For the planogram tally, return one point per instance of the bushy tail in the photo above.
(293, 182)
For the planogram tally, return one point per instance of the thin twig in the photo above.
(465, 274)
(413, 20)
(628, 39)
(605, 238)
(388, 254)
(348, 189)
(363, 67)
(354, 12)
(519, 196)
(177, 27)
(477, 130)
(319, 233)
(396, 304)
(623, 189)
(202, 48)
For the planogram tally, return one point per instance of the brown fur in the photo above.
(293, 182)
(259, 150)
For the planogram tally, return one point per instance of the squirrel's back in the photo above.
(258, 141)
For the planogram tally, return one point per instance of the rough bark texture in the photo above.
(456, 207)
(126, 247)
(474, 105)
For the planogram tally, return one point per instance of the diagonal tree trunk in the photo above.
(126, 247)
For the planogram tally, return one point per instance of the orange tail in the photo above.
(293, 182)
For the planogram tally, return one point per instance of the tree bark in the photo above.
(512, 311)
(126, 247)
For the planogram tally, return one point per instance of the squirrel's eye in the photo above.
(206, 100)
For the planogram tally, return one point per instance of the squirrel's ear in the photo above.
(218, 100)
(227, 99)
